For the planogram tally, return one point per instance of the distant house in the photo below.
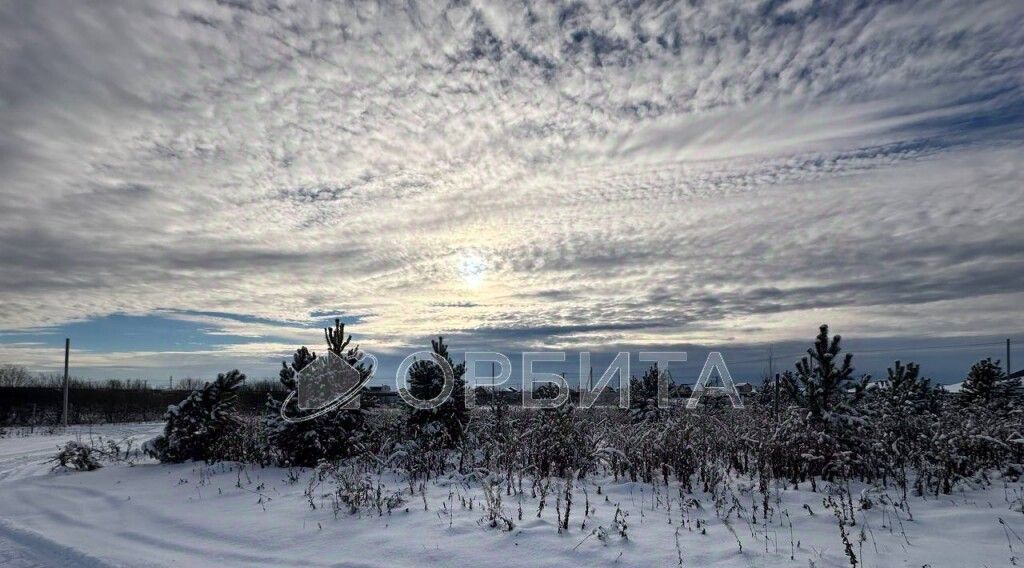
(488, 394)
(745, 389)
(881, 384)
(381, 394)
(953, 388)
(957, 387)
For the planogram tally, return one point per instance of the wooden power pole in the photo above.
(775, 382)
(67, 386)
(1009, 368)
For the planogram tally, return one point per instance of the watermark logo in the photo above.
(447, 387)
(327, 383)
(330, 382)
(590, 391)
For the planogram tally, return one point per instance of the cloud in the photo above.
(646, 172)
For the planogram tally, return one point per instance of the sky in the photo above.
(188, 187)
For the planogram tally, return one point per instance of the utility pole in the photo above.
(67, 386)
(1009, 368)
(774, 379)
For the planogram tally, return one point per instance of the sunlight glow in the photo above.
(472, 268)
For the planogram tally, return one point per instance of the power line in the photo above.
(931, 348)
(873, 351)
(772, 357)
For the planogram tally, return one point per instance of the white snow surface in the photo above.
(225, 515)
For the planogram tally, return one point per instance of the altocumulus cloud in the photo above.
(642, 173)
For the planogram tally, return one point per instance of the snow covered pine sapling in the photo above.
(196, 426)
(77, 456)
(81, 456)
(332, 436)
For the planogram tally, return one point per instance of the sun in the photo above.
(472, 268)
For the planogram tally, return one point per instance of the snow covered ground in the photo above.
(197, 515)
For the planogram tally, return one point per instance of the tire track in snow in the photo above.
(124, 524)
(34, 549)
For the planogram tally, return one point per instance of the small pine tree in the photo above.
(772, 392)
(300, 359)
(907, 390)
(645, 389)
(558, 445)
(643, 393)
(820, 384)
(334, 435)
(197, 426)
(827, 431)
(898, 417)
(426, 381)
(987, 385)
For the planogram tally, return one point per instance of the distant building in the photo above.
(488, 394)
(381, 394)
(953, 388)
(880, 384)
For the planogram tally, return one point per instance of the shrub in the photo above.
(987, 385)
(77, 456)
(196, 427)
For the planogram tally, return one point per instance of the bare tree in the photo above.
(15, 376)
